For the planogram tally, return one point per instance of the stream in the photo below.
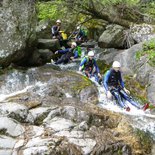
(18, 82)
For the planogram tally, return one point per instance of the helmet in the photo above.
(90, 53)
(74, 44)
(116, 64)
(58, 21)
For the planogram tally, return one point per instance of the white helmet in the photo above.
(116, 64)
(90, 53)
(74, 44)
(58, 21)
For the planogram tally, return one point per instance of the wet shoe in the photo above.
(127, 108)
(146, 106)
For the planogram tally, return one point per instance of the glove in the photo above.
(109, 95)
(99, 75)
(127, 91)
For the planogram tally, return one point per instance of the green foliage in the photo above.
(149, 8)
(148, 51)
(50, 10)
(115, 2)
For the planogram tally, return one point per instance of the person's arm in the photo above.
(63, 51)
(82, 64)
(76, 54)
(123, 85)
(83, 61)
(96, 67)
(106, 78)
(53, 29)
(121, 81)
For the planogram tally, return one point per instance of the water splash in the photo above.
(143, 120)
(18, 82)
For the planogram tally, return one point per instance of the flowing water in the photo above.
(18, 82)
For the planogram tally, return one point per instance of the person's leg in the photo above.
(118, 98)
(66, 60)
(60, 60)
(88, 72)
(129, 99)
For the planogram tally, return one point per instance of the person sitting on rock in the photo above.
(69, 54)
(89, 66)
(114, 86)
(56, 30)
(81, 34)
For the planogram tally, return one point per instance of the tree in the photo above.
(121, 12)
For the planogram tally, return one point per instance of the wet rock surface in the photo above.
(52, 116)
(112, 37)
(17, 35)
(140, 69)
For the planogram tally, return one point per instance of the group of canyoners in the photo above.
(112, 80)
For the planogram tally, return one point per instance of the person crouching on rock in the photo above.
(114, 86)
(68, 54)
(89, 66)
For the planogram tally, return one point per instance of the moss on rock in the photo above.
(144, 140)
(103, 66)
(82, 84)
(137, 90)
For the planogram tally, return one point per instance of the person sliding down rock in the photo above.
(114, 86)
(89, 66)
(69, 54)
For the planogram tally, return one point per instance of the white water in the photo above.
(143, 120)
(14, 85)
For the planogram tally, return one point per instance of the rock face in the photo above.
(143, 32)
(143, 72)
(112, 37)
(52, 44)
(56, 114)
(17, 30)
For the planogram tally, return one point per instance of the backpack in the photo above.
(86, 57)
(79, 51)
(85, 32)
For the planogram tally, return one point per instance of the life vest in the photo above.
(85, 32)
(88, 64)
(78, 48)
(114, 78)
(79, 51)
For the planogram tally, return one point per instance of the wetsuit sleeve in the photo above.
(63, 51)
(106, 78)
(76, 54)
(96, 67)
(53, 29)
(121, 81)
(83, 62)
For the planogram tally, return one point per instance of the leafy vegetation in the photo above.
(148, 51)
(122, 12)
(50, 10)
(149, 8)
